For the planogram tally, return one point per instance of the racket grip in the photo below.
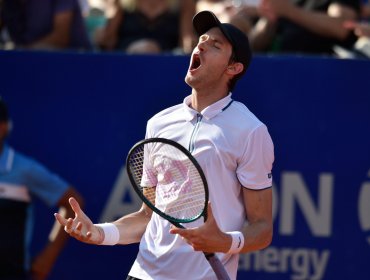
(217, 266)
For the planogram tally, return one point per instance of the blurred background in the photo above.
(81, 78)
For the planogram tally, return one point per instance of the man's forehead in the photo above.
(217, 33)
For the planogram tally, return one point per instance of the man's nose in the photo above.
(203, 41)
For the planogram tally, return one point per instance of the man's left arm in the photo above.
(257, 233)
(254, 171)
(44, 261)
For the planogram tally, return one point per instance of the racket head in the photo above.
(180, 192)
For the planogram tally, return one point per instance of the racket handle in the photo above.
(217, 266)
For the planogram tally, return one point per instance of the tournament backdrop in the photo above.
(80, 113)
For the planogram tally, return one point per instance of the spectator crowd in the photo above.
(164, 26)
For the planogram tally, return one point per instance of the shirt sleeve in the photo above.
(254, 170)
(44, 184)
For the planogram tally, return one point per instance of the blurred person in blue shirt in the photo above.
(22, 179)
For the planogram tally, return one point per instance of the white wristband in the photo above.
(111, 233)
(237, 243)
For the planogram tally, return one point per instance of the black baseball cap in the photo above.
(4, 116)
(205, 20)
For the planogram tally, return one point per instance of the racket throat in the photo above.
(176, 224)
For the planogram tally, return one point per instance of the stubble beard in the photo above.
(192, 81)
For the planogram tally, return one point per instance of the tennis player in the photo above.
(236, 153)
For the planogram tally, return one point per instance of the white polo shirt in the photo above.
(234, 150)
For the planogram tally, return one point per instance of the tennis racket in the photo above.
(171, 182)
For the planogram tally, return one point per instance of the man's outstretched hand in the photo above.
(80, 227)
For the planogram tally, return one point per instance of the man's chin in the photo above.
(190, 79)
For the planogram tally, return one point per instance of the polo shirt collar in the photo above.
(208, 112)
(6, 159)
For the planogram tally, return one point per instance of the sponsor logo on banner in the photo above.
(299, 262)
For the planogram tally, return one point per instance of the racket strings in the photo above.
(137, 170)
(190, 197)
(169, 180)
(136, 164)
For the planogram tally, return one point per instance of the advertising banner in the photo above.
(79, 114)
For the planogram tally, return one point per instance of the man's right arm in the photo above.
(131, 227)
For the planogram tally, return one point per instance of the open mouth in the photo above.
(195, 63)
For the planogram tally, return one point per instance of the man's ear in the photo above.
(235, 68)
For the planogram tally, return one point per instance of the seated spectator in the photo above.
(241, 13)
(95, 17)
(365, 10)
(246, 14)
(149, 26)
(361, 29)
(223, 9)
(45, 24)
(361, 47)
(306, 26)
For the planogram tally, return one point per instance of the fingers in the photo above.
(176, 230)
(61, 220)
(80, 227)
(203, 238)
(75, 230)
(68, 226)
(190, 236)
(186, 234)
(75, 206)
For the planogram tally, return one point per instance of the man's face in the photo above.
(209, 61)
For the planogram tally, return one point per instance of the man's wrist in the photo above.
(237, 242)
(109, 234)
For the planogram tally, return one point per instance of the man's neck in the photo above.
(202, 99)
